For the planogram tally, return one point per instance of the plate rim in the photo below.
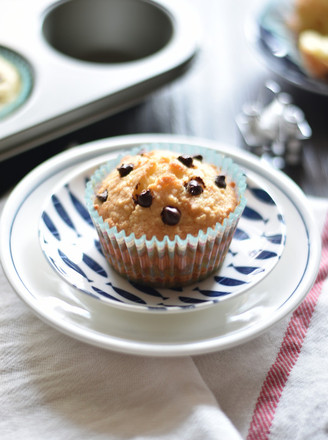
(154, 348)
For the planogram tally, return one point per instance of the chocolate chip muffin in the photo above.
(161, 193)
(164, 217)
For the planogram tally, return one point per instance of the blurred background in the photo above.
(205, 101)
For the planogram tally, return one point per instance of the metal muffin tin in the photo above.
(90, 59)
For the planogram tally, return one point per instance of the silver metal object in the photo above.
(91, 59)
(276, 131)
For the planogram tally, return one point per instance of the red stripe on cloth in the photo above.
(288, 354)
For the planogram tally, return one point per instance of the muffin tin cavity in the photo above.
(89, 60)
(107, 31)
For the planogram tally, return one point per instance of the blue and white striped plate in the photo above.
(71, 246)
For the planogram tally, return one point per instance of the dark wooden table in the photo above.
(204, 102)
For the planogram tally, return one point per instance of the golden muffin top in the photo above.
(160, 193)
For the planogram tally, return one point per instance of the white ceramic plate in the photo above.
(269, 33)
(215, 328)
(71, 245)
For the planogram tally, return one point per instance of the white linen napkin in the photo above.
(54, 387)
(276, 386)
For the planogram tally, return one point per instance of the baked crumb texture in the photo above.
(166, 178)
(167, 211)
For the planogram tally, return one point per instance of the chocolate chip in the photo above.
(220, 181)
(186, 160)
(198, 157)
(103, 196)
(125, 169)
(195, 186)
(144, 199)
(170, 215)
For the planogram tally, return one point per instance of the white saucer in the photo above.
(221, 326)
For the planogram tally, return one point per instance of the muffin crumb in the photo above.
(161, 193)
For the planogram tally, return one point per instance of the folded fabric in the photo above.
(54, 387)
(276, 386)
